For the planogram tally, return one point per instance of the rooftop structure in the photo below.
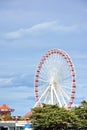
(5, 111)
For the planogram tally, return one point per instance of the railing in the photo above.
(17, 123)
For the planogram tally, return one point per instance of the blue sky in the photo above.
(28, 29)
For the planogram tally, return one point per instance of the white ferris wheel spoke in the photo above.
(43, 80)
(65, 94)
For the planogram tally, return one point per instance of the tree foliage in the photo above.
(81, 113)
(52, 117)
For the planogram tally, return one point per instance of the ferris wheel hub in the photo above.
(53, 83)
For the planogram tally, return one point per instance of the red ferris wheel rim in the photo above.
(72, 70)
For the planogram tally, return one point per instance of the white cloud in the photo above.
(44, 27)
(16, 80)
(5, 81)
(15, 35)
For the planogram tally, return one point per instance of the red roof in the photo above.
(4, 107)
(28, 114)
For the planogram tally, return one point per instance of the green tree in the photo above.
(81, 113)
(52, 117)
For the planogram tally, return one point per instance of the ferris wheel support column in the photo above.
(42, 96)
(52, 95)
(59, 103)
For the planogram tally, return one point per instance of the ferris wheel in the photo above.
(55, 80)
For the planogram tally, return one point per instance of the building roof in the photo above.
(27, 114)
(6, 108)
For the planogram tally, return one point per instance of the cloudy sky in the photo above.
(28, 29)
